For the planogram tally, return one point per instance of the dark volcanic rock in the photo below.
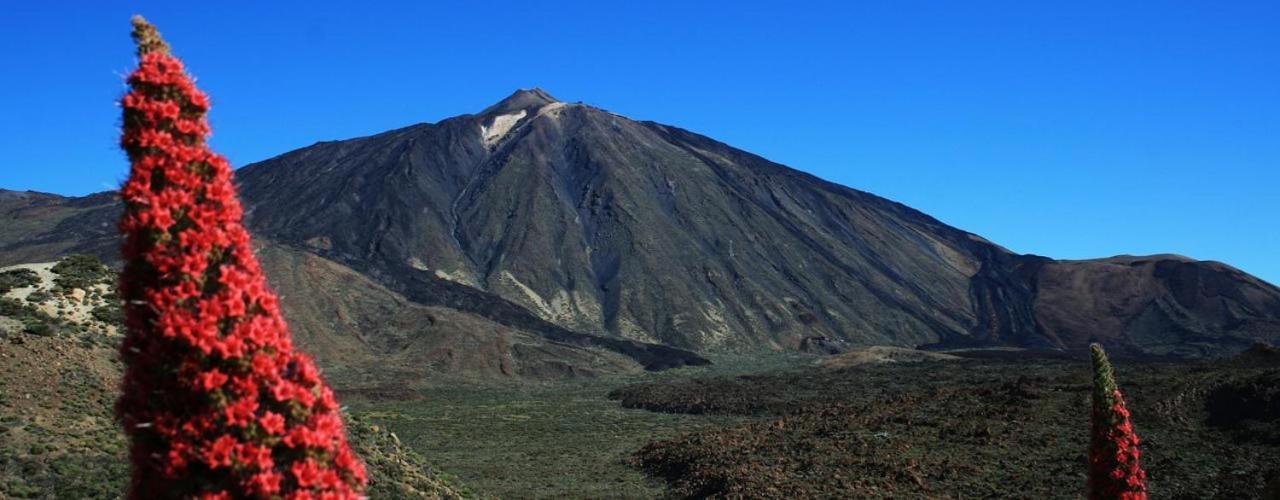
(1250, 407)
(1253, 398)
(591, 222)
(821, 345)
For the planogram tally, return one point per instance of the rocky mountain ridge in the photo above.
(591, 222)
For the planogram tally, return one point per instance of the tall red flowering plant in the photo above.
(216, 402)
(1114, 472)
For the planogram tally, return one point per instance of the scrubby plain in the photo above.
(873, 422)
(971, 428)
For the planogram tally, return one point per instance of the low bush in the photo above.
(37, 327)
(80, 271)
(17, 278)
(39, 297)
(109, 313)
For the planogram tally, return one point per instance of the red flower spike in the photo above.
(1114, 471)
(215, 401)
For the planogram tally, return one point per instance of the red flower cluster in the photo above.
(1114, 471)
(216, 402)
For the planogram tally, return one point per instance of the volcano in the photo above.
(567, 218)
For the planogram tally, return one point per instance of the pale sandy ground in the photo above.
(74, 307)
(501, 125)
(883, 354)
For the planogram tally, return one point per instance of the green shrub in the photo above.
(80, 271)
(37, 327)
(18, 278)
(33, 321)
(12, 308)
(38, 297)
(20, 489)
(109, 313)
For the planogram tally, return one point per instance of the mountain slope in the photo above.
(604, 224)
(366, 337)
(1163, 304)
(355, 326)
(641, 230)
(600, 224)
(369, 338)
(40, 226)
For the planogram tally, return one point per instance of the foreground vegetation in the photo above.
(562, 439)
(758, 426)
(967, 429)
(59, 381)
(58, 438)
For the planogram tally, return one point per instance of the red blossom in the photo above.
(210, 380)
(212, 385)
(264, 484)
(219, 451)
(241, 412)
(256, 456)
(272, 423)
(1114, 469)
(306, 473)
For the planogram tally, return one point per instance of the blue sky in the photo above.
(1069, 129)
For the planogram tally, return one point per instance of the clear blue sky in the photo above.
(1070, 129)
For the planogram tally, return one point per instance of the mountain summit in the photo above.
(527, 100)
(601, 224)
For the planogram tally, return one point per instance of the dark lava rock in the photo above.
(822, 345)
(1250, 404)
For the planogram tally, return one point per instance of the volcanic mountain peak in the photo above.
(528, 100)
(595, 223)
(498, 120)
